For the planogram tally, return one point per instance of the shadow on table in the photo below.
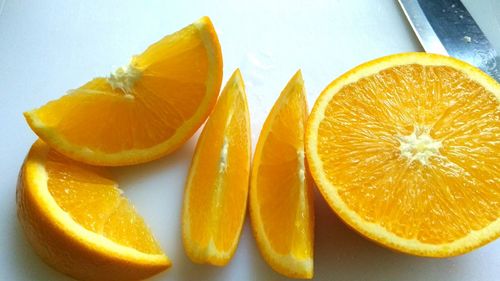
(176, 163)
(185, 270)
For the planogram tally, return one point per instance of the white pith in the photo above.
(419, 146)
(124, 78)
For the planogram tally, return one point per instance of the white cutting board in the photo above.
(49, 47)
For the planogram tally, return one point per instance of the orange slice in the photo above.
(217, 186)
(77, 221)
(281, 206)
(405, 149)
(140, 112)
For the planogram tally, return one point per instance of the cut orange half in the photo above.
(216, 191)
(77, 221)
(140, 112)
(281, 206)
(405, 150)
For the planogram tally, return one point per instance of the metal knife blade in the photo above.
(446, 27)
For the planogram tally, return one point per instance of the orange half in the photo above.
(405, 150)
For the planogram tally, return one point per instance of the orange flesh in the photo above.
(94, 201)
(282, 193)
(169, 92)
(455, 192)
(217, 188)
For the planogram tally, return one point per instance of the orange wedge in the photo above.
(281, 206)
(77, 221)
(216, 191)
(405, 150)
(142, 111)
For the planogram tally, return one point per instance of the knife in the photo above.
(446, 27)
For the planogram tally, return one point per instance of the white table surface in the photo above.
(47, 47)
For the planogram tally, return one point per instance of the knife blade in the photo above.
(446, 27)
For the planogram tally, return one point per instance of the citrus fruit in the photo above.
(281, 206)
(216, 191)
(77, 221)
(405, 150)
(142, 111)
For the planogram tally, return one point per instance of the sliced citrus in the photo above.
(281, 206)
(77, 221)
(143, 111)
(405, 149)
(216, 192)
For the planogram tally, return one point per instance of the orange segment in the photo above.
(405, 150)
(140, 112)
(217, 187)
(281, 206)
(77, 221)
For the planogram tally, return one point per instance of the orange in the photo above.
(281, 198)
(142, 111)
(216, 191)
(77, 221)
(405, 150)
